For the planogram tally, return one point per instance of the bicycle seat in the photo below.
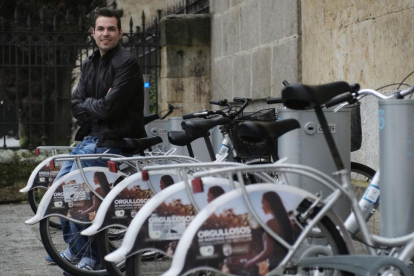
(131, 145)
(200, 128)
(179, 138)
(301, 97)
(148, 118)
(257, 132)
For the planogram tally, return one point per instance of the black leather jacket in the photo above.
(119, 113)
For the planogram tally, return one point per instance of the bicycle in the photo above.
(196, 129)
(295, 261)
(73, 193)
(137, 227)
(45, 173)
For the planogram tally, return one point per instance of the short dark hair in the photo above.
(216, 191)
(167, 179)
(106, 12)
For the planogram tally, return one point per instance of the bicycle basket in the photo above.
(247, 150)
(356, 128)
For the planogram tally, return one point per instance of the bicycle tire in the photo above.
(135, 266)
(34, 196)
(106, 247)
(54, 244)
(361, 176)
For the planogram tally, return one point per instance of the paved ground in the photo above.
(22, 252)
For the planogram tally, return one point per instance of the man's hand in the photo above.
(109, 91)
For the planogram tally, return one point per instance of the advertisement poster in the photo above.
(131, 199)
(46, 175)
(167, 222)
(161, 181)
(231, 241)
(77, 201)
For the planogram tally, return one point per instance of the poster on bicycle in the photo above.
(230, 240)
(77, 199)
(134, 194)
(44, 174)
(168, 217)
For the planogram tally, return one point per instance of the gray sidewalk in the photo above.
(22, 252)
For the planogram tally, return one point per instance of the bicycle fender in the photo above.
(224, 236)
(163, 219)
(70, 195)
(124, 201)
(42, 176)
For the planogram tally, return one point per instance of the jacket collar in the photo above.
(107, 56)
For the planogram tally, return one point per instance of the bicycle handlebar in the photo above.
(355, 96)
(201, 114)
(340, 99)
(172, 107)
(242, 100)
(274, 100)
(222, 102)
(229, 114)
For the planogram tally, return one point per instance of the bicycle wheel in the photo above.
(108, 241)
(54, 244)
(136, 266)
(361, 176)
(325, 235)
(35, 196)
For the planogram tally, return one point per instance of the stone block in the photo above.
(285, 64)
(185, 30)
(234, 3)
(249, 20)
(261, 73)
(183, 61)
(222, 78)
(312, 12)
(243, 76)
(271, 20)
(393, 46)
(219, 6)
(317, 58)
(231, 34)
(217, 37)
(354, 56)
(291, 17)
(192, 92)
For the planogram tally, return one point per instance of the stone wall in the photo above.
(255, 46)
(134, 8)
(366, 42)
(185, 77)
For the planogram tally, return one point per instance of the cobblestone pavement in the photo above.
(22, 252)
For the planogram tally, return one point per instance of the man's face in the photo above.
(106, 33)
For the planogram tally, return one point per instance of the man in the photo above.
(108, 105)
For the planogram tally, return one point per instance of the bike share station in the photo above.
(162, 127)
(307, 146)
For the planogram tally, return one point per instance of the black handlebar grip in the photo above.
(340, 99)
(285, 83)
(201, 114)
(274, 100)
(189, 116)
(222, 102)
(241, 100)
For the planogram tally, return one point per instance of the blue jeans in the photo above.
(78, 244)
